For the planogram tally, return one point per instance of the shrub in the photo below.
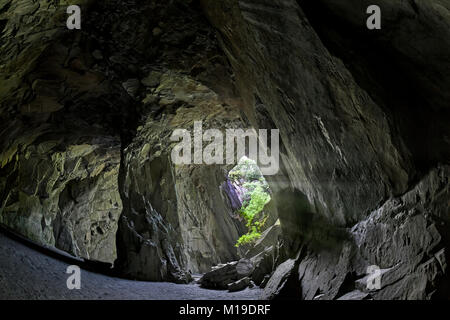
(248, 238)
(248, 177)
(254, 215)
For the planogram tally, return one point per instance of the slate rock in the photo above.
(239, 285)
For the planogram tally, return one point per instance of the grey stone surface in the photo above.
(88, 120)
(265, 263)
(405, 238)
(64, 192)
(283, 282)
(27, 274)
(221, 276)
(351, 144)
(268, 239)
(354, 295)
(239, 285)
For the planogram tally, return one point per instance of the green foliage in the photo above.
(256, 195)
(247, 170)
(253, 215)
(258, 200)
(248, 238)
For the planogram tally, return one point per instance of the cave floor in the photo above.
(29, 274)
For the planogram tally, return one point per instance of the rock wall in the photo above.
(63, 191)
(60, 163)
(179, 211)
(406, 238)
(88, 115)
(362, 117)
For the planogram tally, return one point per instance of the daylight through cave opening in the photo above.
(249, 193)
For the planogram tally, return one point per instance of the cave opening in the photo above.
(248, 198)
(249, 193)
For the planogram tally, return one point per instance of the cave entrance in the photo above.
(249, 193)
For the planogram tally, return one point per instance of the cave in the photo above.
(115, 157)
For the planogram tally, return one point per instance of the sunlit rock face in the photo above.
(63, 191)
(363, 119)
(60, 163)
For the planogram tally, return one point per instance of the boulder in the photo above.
(244, 268)
(264, 264)
(223, 275)
(282, 283)
(239, 285)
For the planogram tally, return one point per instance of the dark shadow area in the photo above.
(300, 225)
(406, 88)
